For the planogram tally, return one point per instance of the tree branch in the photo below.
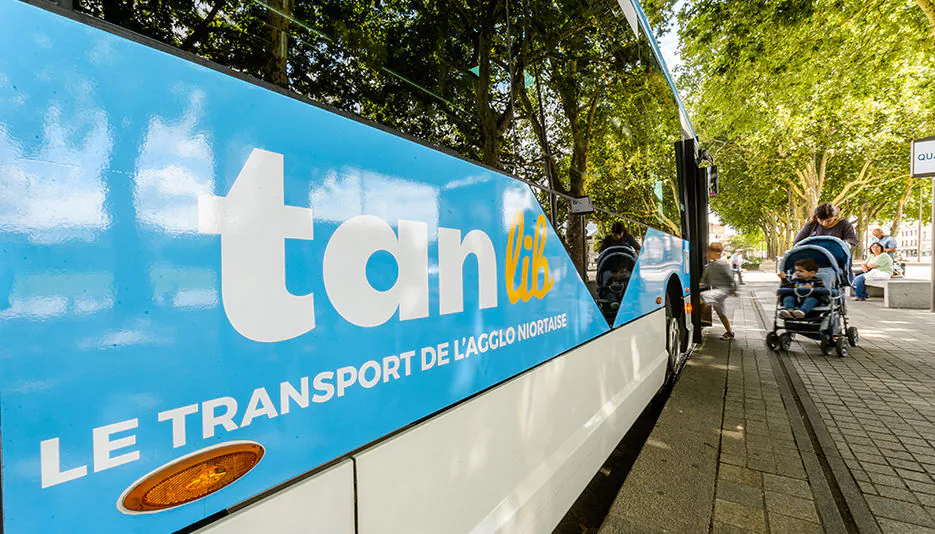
(201, 30)
(862, 179)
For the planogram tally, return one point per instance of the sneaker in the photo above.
(798, 314)
(785, 313)
(727, 336)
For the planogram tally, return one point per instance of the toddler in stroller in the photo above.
(614, 268)
(811, 300)
(799, 305)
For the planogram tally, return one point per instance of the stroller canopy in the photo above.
(829, 252)
(611, 258)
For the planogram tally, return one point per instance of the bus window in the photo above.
(614, 246)
(427, 71)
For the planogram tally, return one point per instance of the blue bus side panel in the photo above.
(112, 293)
(661, 256)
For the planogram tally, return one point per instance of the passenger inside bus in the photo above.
(614, 268)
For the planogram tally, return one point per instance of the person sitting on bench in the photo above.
(878, 267)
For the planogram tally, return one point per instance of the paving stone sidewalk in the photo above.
(762, 485)
(878, 405)
(756, 481)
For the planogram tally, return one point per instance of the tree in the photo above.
(558, 92)
(787, 106)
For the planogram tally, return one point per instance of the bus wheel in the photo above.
(673, 343)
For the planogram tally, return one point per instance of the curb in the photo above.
(838, 498)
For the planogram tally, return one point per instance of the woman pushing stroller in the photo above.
(810, 303)
(826, 221)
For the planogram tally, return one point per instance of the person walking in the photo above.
(719, 284)
(826, 220)
(736, 265)
(878, 267)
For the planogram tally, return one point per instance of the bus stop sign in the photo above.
(923, 157)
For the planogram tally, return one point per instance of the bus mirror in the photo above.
(711, 175)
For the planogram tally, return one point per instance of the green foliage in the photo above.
(805, 101)
(560, 92)
(749, 241)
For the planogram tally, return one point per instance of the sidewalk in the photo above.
(752, 441)
(878, 406)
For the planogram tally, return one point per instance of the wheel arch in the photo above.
(674, 293)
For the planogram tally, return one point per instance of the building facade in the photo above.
(908, 239)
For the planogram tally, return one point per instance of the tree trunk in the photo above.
(202, 29)
(119, 12)
(277, 72)
(861, 228)
(894, 229)
(575, 237)
(928, 7)
(487, 123)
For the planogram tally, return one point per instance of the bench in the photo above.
(902, 292)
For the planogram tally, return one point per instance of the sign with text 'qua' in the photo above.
(923, 157)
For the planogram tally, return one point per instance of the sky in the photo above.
(669, 44)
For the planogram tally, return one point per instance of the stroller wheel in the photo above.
(785, 341)
(841, 347)
(853, 338)
(772, 341)
(825, 345)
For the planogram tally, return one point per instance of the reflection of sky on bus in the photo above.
(46, 295)
(138, 332)
(6, 98)
(362, 192)
(53, 191)
(175, 166)
(658, 257)
(183, 287)
(669, 43)
(515, 199)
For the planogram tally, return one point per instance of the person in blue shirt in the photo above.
(889, 244)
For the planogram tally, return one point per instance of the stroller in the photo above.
(828, 321)
(610, 290)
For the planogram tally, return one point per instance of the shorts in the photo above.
(715, 298)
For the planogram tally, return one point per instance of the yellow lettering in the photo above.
(539, 262)
(529, 285)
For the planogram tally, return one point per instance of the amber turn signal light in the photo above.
(191, 477)
(658, 300)
(688, 309)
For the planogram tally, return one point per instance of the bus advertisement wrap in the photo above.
(193, 266)
(191, 260)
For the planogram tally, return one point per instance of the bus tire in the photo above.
(673, 343)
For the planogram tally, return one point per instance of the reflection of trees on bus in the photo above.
(563, 94)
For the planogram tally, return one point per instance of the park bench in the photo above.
(901, 292)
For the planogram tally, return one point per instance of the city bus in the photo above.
(331, 266)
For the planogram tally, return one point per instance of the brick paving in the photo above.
(878, 405)
(873, 413)
(757, 482)
(762, 485)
